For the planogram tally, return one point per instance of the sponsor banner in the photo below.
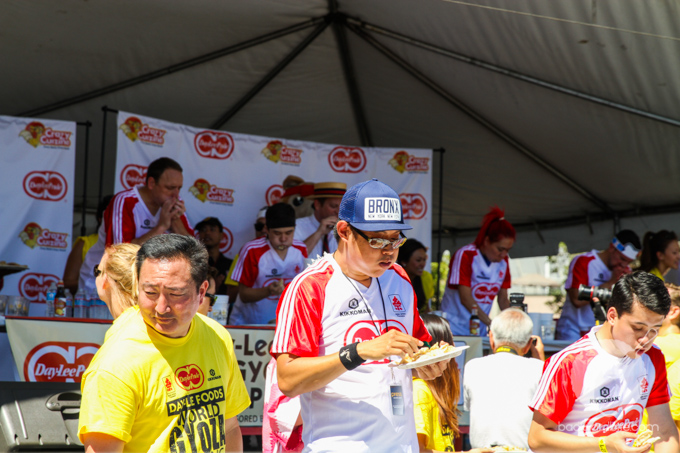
(37, 165)
(232, 176)
(60, 351)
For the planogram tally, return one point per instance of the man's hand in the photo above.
(166, 217)
(276, 287)
(327, 224)
(617, 443)
(178, 209)
(537, 348)
(388, 344)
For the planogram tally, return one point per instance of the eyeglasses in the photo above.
(212, 297)
(650, 335)
(96, 271)
(380, 243)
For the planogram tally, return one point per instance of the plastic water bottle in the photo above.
(80, 304)
(69, 304)
(94, 307)
(50, 295)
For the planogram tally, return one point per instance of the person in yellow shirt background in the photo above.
(435, 401)
(660, 252)
(669, 334)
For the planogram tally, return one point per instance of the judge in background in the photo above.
(413, 258)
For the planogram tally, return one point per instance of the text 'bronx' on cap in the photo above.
(372, 206)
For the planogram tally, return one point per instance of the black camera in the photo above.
(602, 294)
(590, 292)
(517, 301)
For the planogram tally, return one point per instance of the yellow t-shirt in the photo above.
(426, 413)
(670, 346)
(121, 320)
(160, 394)
(674, 384)
(229, 281)
(656, 272)
(428, 284)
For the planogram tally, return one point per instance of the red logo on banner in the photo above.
(413, 205)
(34, 234)
(34, 286)
(134, 129)
(58, 361)
(622, 418)
(273, 194)
(132, 176)
(214, 145)
(36, 134)
(227, 240)
(45, 185)
(203, 190)
(277, 152)
(403, 161)
(347, 160)
(189, 377)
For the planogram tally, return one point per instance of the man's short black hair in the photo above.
(280, 215)
(629, 237)
(649, 290)
(176, 246)
(158, 166)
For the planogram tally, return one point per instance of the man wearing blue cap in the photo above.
(340, 323)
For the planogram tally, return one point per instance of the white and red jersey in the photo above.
(586, 269)
(485, 279)
(126, 218)
(258, 266)
(588, 392)
(323, 310)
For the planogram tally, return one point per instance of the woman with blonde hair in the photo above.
(435, 401)
(116, 277)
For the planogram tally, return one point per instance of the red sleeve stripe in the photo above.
(553, 365)
(578, 268)
(238, 269)
(284, 320)
(454, 278)
(300, 246)
(660, 393)
(119, 215)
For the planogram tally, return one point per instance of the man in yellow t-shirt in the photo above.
(166, 380)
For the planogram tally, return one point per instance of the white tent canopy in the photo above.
(565, 113)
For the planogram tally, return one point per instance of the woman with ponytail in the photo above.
(660, 252)
(435, 401)
(478, 273)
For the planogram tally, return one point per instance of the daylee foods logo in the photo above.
(200, 421)
(45, 185)
(382, 208)
(58, 361)
(33, 286)
(133, 175)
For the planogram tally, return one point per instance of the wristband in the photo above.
(603, 446)
(349, 357)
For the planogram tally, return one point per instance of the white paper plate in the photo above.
(422, 362)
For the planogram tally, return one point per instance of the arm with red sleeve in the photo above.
(503, 299)
(578, 275)
(298, 328)
(248, 270)
(119, 222)
(658, 408)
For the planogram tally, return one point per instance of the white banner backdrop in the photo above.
(37, 166)
(231, 176)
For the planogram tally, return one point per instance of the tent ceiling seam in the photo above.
(172, 68)
(479, 118)
(351, 81)
(514, 74)
(270, 75)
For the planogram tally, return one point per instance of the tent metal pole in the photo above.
(441, 152)
(87, 125)
(514, 74)
(480, 119)
(173, 68)
(270, 76)
(106, 110)
(351, 80)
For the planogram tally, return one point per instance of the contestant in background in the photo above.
(478, 273)
(413, 258)
(660, 253)
(669, 334)
(116, 280)
(435, 401)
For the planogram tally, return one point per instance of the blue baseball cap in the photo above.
(372, 206)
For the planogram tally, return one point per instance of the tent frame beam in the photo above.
(479, 118)
(172, 68)
(350, 76)
(514, 74)
(220, 122)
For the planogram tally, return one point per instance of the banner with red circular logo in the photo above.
(232, 176)
(37, 166)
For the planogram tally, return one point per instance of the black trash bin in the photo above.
(39, 416)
